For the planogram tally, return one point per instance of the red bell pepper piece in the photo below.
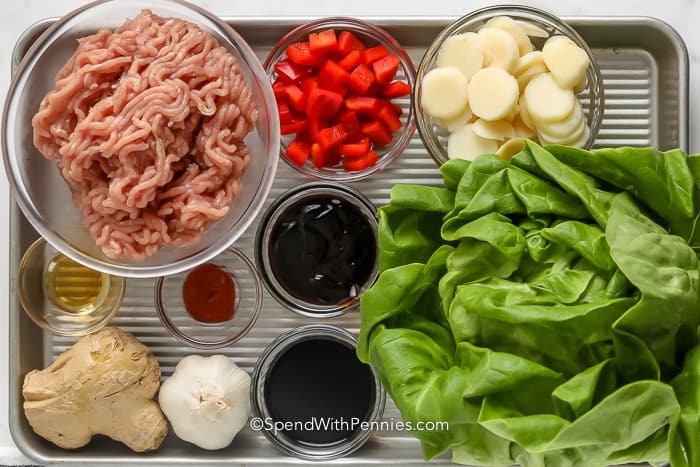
(279, 87)
(373, 54)
(351, 60)
(323, 42)
(333, 77)
(324, 102)
(347, 42)
(318, 155)
(395, 89)
(361, 79)
(290, 71)
(396, 109)
(297, 126)
(389, 118)
(298, 152)
(308, 85)
(332, 157)
(285, 112)
(359, 148)
(301, 54)
(296, 97)
(332, 137)
(316, 123)
(364, 105)
(352, 124)
(385, 68)
(354, 164)
(377, 132)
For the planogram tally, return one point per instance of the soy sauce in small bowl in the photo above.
(310, 383)
(317, 248)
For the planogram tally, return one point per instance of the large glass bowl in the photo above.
(591, 98)
(43, 195)
(371, 36)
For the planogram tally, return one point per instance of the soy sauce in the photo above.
(322, 250)
(319, 379)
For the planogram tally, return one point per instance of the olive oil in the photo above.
(73, 288)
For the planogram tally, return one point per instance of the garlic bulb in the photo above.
(206, 400)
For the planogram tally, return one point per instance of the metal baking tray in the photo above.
(645, 69)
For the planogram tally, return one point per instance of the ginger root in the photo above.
(104, 384)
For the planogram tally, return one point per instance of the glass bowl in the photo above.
(371, 36)
(248, 302)
(591, 97)
(43, 195)
(308, 253)
(258, 396)
(64, 297)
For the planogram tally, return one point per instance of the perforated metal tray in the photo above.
(645, 68)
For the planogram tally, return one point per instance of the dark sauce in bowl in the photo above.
(322, 250)
(320, 380)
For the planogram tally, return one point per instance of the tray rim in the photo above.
(35, 30)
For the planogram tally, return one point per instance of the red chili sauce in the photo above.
(209, 294)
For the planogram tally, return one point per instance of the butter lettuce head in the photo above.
(546, 308)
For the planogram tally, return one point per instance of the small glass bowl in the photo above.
(592, 97)
(264, 366)
(264, 233)
(371, 36)
(51, 311)
(247, 305)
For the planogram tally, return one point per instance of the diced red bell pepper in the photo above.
(316, 124)
(395, 89)
(351, 60)
(352, 124)
(308, 85)
(361, 79)
(285, 112)
(371, 55)
(385, 68)
(291, 72)
(377, 132)
(396, 109)
(347, 42)
(318, 155)
(373, 91)
(389, 118)
(359, 148)
(324, 102)
(332, 137)
(294, 127)
(301, 54)
(298, 152)
(296, 97)
(332, 157)
(333, 77)
(364, 105)
(279, 87)
(323, 42)
(354, 164)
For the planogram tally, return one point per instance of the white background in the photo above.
(16, 15)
